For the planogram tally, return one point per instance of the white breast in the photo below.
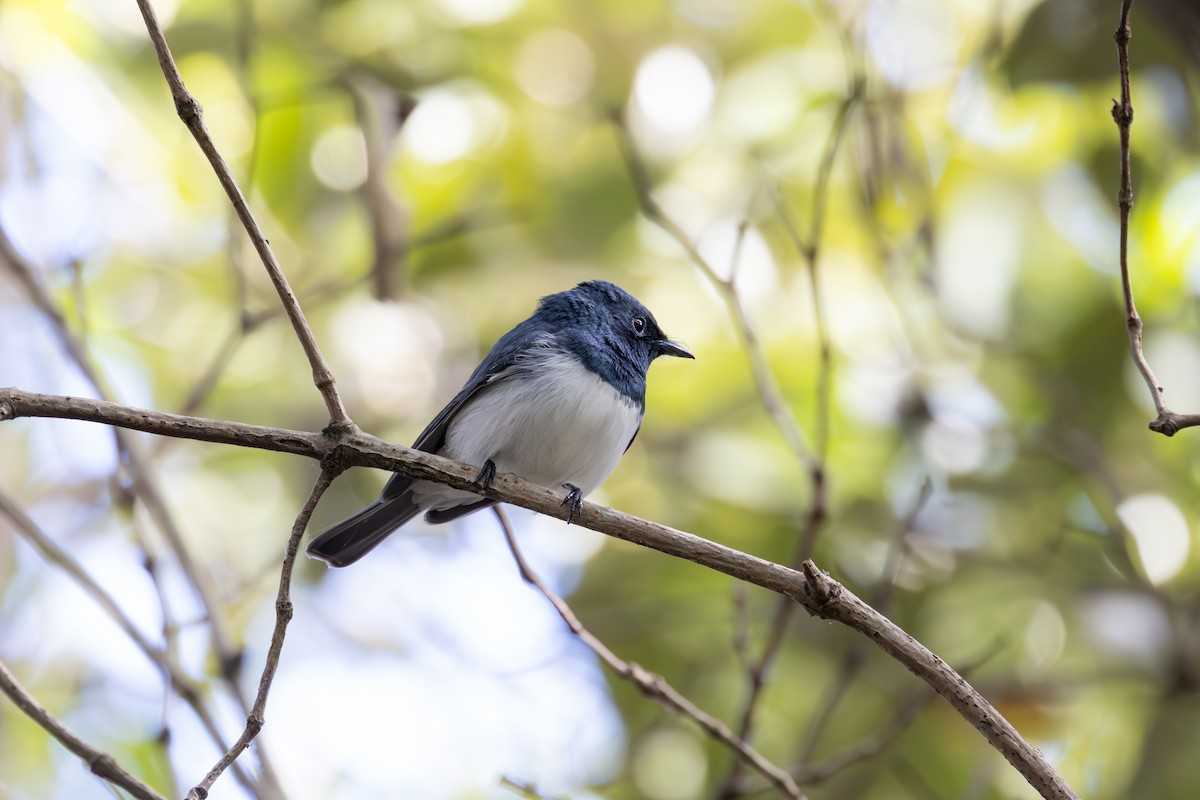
(551, 421)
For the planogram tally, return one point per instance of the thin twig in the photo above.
(389, 222)
(769, 392)
(815, 463)
(1168, 422)
(192, 114)
(283, 615)
(855, 656)
(812, 588)
(248, 323)
(648, 683)
(99, 762)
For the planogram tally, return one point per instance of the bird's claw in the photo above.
(573, 500)
(487, 474)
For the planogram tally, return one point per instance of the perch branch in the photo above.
(812, 588)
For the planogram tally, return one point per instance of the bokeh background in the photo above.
(425, 171)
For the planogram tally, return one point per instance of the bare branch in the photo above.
(283, 615)
(1168, 422)
(100, 763)
(814, 463)
(813, 589)
(389, 222)
(192, 114)
(834, 601)
(648, 683)
(768, 388)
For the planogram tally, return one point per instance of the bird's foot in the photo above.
(573, 500)
(486, 475)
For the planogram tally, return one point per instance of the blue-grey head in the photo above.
(614, 335)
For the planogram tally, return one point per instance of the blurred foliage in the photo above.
(967, 273)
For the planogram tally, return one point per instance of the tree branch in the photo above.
(813, 589)
(283, 615)
(1167, 422)
(192, 114)
(835, 602)
(99, 762)
(648, 683)
(768, 388)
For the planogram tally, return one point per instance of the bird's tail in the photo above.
(353, 538)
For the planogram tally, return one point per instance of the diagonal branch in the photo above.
(648, 683)
(815, 590)
(99, 762)
(1168, 422)
(192, 114)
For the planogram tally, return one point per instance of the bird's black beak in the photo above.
(666, 347)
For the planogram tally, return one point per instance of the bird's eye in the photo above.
(639, 325)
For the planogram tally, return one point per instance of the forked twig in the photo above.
(181, 683)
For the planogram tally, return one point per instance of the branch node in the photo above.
(1167, 424)
(1122, 113)
(188, 108)
(103, 764)
(200, 792)
(7, 412)
(822, 589)
(1123, 33)
(285, 610)
(340, 457)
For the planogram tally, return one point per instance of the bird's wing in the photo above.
(631, 438)
(496, 367)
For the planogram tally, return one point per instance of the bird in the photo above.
(558, 400)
